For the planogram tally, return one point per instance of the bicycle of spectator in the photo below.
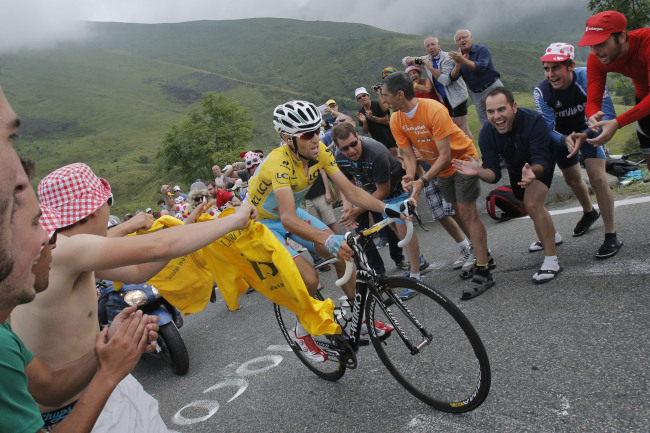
(434, 351)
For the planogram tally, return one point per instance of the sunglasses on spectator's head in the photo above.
(347, 147)
(252, 162)
(309, 135)
(53, 238)
(110, 200)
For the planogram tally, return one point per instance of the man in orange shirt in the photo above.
(425, 125)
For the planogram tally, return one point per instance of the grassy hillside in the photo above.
(109, 100)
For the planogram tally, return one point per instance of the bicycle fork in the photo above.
(413, 348)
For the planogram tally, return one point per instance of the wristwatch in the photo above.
(425, 182)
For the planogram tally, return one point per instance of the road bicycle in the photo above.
(433, 351)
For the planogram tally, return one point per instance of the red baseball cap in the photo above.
(601, 26)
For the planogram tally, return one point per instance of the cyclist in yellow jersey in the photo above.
(281, 182)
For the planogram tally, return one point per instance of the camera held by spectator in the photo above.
(418, 61)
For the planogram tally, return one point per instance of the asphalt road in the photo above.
(570, 355)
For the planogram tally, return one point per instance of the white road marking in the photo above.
(279, 348)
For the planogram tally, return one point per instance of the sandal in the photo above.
(545, 272)
(478, 285)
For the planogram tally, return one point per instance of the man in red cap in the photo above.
(613, 49)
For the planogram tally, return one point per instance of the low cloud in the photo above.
(43, 23)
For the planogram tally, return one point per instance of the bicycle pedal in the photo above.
(346, 354)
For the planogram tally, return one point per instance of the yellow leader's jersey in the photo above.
(280, 169)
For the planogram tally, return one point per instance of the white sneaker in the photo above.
(468, 265)
(309, 347)
(465, 252)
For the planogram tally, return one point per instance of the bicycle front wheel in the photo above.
(333, 368)
(434, 351)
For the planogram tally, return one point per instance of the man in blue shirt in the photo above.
(474, 64)
(561, 100)
(521, 138)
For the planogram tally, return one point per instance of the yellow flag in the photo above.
(241, 259)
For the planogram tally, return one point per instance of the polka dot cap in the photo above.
(558, 52)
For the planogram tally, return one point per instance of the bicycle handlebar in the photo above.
(350, 238)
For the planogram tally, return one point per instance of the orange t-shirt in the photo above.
(431, 123)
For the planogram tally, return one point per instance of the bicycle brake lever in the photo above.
(417, 218)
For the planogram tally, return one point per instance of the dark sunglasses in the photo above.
(110, 200)
(353, 144)
(199, 198)
(53, 238)
(252, 162)
(309, 135)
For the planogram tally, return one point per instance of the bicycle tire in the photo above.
(333, 368)
(452, 372)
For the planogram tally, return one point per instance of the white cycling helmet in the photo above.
(296, 117)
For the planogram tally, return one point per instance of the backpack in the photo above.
(504, 199)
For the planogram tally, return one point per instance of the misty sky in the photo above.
(37, 23)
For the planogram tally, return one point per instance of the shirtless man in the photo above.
(61, 325)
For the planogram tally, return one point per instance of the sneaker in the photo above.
(537, 246)
(465, 252)
(478, 285)
(469, 263)
(310, 348)
(403, 265)
(469, 266)
(407, 294)
(585, 222)
(381, 328)
(608, 249)
(382, 243)
(424, 266)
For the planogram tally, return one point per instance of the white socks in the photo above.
(550, 263)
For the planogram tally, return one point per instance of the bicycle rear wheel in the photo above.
(446, 365)
(333, 368)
